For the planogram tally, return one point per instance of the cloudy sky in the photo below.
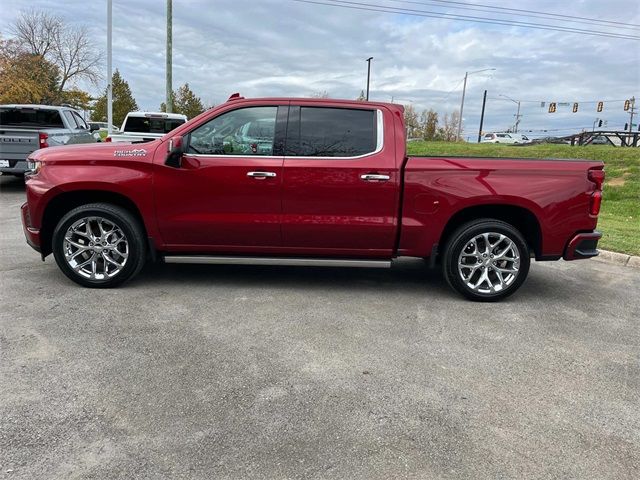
(291, 48)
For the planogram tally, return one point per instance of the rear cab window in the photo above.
(30, 117)
(151, 124)
(332, 132)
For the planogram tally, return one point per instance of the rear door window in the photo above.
(331, 132)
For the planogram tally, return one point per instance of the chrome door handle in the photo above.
(374, 177)
(261, 175)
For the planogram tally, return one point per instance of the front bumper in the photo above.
(31, 234)
(583, 245)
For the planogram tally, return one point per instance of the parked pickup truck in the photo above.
(141, 127)
(26, 128)
(316, 182)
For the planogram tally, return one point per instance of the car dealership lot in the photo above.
(256, 372)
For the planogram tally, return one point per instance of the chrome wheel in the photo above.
(95, 248)
(489, 263)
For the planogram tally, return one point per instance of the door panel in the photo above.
(227, 193)
(329, 209)
(211, 201)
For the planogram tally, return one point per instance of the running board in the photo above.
(302, 262)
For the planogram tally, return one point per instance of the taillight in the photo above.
(42, 138)
(107, 139)
(597, 177)
(596, 201)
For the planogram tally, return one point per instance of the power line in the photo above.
(524, 13)
(497, 21)
(466, 18)
(561, 101)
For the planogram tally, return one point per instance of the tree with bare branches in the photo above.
(68, 47)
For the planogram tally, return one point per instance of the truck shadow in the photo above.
(10, 183)
(413, 275)
(407, 276)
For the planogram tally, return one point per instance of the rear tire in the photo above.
(486, 260)
(99, 245)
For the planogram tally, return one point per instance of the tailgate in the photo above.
(16, 145)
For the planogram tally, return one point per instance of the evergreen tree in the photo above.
(123, 101)
(185, 102)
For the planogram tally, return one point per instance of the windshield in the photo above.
(151, 125)
(30, 117)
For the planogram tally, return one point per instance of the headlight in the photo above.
(33, 166)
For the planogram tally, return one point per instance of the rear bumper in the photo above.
(31, 234)
(15, 168)
(583, 245)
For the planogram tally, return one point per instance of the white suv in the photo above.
(505, 138)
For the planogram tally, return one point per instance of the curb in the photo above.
(623, 259)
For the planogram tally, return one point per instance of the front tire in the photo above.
(99, 245)
(486, 260)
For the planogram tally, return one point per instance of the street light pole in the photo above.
(464, 91)
(109, 74)
(169, 93)
(368, 74)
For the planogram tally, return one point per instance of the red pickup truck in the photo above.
(306, 182)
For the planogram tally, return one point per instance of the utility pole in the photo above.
(109, 74)
(484, 102)
(632, 113)
(169, 100)
(518, 116)
(368, 75)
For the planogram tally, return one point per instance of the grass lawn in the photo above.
(620, 215)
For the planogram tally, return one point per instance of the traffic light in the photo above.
(600, 106)
(627, 105)
(626, 127)
(599, 123)
(552, 107)
(575, 107)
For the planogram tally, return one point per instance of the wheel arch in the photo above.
(523, 219)
(62, 203)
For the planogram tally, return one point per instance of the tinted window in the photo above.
(331, 132)
(151, 124)
(30, 117)
(246, 131)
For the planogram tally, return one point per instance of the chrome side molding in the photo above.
(288, 261)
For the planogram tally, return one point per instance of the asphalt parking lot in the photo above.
(247, 372)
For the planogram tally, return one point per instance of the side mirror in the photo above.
(176, 149)
(93, 127)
